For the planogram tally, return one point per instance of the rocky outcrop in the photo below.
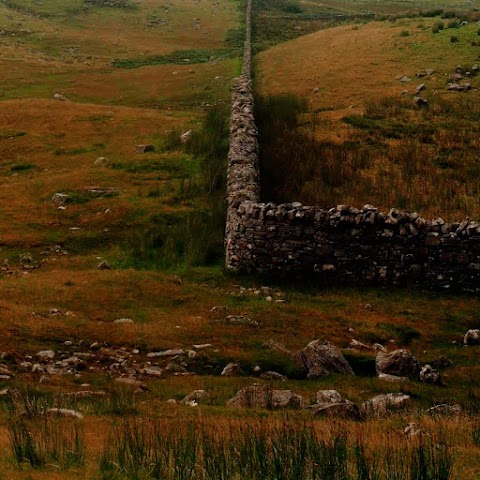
(321, 358)
(400, 363)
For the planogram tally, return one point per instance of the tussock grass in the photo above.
(266, 450)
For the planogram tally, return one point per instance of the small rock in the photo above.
(241, 320)
(445, 409)
(328, 396)
(391, 378)
(154, 372)
(65, 412)
(100, 161)
(472, 337)
(123, 320)
(273, 376)
(203, 346)
(413, 430)
(198, 396)
(442, 362)
(166, 353)
(429, 375)
(338, 410)
(185, 137)
(60, 198)
(144, 148)
(59, 96)
(275, 346)
(356, 345)
(45, 355)
(103, 265)
(231, 370)
(383, 404)
(262, 396)
(419, 101)
(420, 88)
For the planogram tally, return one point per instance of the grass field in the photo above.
(359, 109)
(144, 73)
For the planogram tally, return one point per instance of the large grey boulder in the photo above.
(383, 404)
(262, 396)
(321, 358)
(400, 363)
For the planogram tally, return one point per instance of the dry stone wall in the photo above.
(343, 245)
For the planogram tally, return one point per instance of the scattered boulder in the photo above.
(400, 363)
(100, 161)
(321, 358)
(346, 410)
(404, 79)
(153, 372)
(185, 137)
(445, 409)
(231, 370)
(103, 265)
(5, 371)
(442, 362)
(384, 404)
(262, 396)
(203, 346)
(275, 346)
(413, 430)
(198, 396)
(328, 396)
(123, 320)
(420, 88)
(144, 148)
(472, 337)
(60, 97)
(356, 345)
(45, 355)
(273, 376)
(172, 352)
(240, 320)
(391, 378)
(420, 102)
(60, 198)
(457, 87)
(429, 375)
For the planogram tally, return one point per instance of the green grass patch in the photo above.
(10, 135)
(175, 168)
(180, 57)
(22, 167)
(79, 150)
